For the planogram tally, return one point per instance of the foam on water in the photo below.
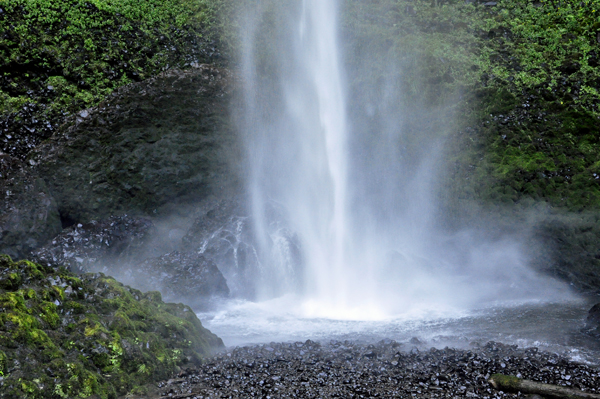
(553, 327)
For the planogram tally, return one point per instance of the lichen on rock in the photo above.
(71, 336)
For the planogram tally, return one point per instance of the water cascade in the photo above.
(343, 218)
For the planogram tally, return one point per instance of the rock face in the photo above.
(28, 213)
(568, 247)
(163, 141)
(91, 246)
(63, 335)
(117, 245)
(224, 234)
(181, 277)
(592, 323)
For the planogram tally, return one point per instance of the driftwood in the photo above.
(510, 383)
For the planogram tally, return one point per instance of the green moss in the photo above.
(97, 338)
(506, 381)
(3, 364)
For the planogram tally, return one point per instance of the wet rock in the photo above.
(166, 140)
(592, 322)
(28, 213)
(104, 245)
(226, 234)
(181, 277)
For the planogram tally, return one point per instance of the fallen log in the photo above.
(509, 383)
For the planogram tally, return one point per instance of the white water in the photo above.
(369, 252)
(550, 327)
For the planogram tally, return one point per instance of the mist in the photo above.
(345, 180)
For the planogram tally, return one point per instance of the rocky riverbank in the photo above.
(385, 370)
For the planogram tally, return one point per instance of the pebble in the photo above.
(343, 370)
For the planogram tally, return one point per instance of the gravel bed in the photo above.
(384, 370)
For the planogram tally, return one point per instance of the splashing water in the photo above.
(365, 251)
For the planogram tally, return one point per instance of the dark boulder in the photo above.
(28, 213)
(181, 277)
(592, 323)
(224, 234)
(105, 245)
(227, 234)
(167, 140)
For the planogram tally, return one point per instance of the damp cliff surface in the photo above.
(163, 141)
(76, 336)
(149, 148)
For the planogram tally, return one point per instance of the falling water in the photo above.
(308, 169)
(342, 217)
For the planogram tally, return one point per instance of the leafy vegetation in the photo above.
(67, 336)
(519, 81)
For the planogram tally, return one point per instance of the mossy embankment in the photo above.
(67, 336)
(59, 57)
(515, 88)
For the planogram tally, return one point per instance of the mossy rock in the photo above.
(59, 57)
(71, 336)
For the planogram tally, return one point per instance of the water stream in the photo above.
(368, 261)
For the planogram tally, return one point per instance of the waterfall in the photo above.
(298, 145)
(342, 214)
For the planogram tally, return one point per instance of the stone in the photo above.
(106, 245)
(592, 321)
(225, 233)
(29, 215)
(166, 140)
(343, 371)
(181, 277)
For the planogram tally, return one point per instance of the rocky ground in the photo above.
(386, 369)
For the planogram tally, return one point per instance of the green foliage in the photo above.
(77, 337)
(60, 56)
(521, 79)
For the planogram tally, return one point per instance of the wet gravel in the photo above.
(386, 370)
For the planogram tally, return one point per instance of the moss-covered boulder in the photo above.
(63, 336)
